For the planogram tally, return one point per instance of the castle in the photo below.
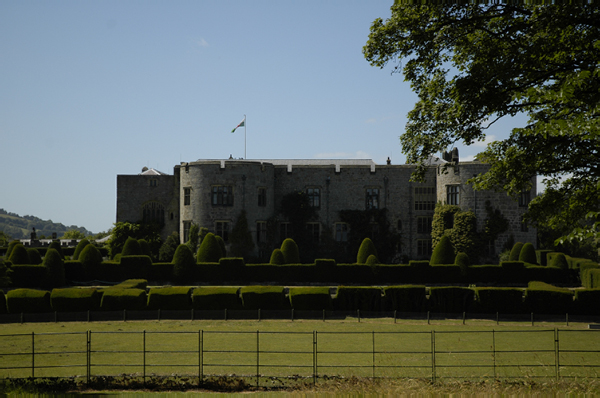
(213, 193)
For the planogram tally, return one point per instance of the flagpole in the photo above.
(245, 122)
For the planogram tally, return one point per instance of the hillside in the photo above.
(19, 227)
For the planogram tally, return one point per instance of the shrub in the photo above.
(216, 298)
(221, 243)
(170, 298)
(19, 255)
(559, 260)
(183, 264)
(367, 248)
(542, 256)
(277, 257)
(145, 248)
(34, 256)
(136, 266)
(209, 251)
(514, 271)
(132, 284)
(543, 298)
(241, 237)
(55, 268)
(527, 254)
(500, 299)
(75, 299)
(82, 243)
(131, 247)
(2, 302)
(264, 297)
(123, 299)
(586, 301)
(27, 301)
(310, 298)
(515, 252)
(29, 275)
(462, 260)
(358, 298)
(90, 259)
(167, 250)
(407, 298)
(443, 252)
(589, 274)
(56, 246)
(450, 299)
(10, 248)
(372, 260)
(289, 248)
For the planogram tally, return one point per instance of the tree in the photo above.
(73, 234)
(82, 243)
(289, 249)
(19, 255)
(55, 269)
(240, 237)
(193, 238)
(209, 251)
(471, 65)
(131, 247)
(443, 253)
(123, 230)
(167, 250)
(366, 249)
(183, 264)
(90, 258)
(4, 239)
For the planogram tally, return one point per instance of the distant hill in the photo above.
(20, 227)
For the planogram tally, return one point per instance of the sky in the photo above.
(93, 89)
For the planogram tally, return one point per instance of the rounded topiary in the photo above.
(34, 256)
(527, 254)
(221, 245)
(277, 257)
(82, 243)
(55, 268)
(183, 263)
(90, 258)
(11, 246)
(131, 247)
(462, 259)
(56, 246)
(515, 252)
(19, 255)
(366, 249)
(145, 248)
(289, 248)
(372, 260)
(167, 250)
(209, 250)
(443, 252)
(559, 260)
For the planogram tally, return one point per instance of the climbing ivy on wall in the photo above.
(459, 226)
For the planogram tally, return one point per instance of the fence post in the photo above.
(124, 315)
(497, 319)
(225, 313)
(315, 375)
(394, 316)
(259, 314)
(532, 319)
(494, 351)
(55, 316)
(144, 358)
(464, 316)
(567, 319)
(358, 315)
(88, 315)
(257, 356)
(323, 315)
(88, 355)
(556, 354)
(158, 314)
(32, 355)
(428, 317)
(192, 314)
(373, 358)
(292, 315)
(200, 357)
(432, 355)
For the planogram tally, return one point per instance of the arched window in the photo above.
(153, 213)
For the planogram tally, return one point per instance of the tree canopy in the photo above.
(471, 65)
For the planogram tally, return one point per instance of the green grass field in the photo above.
(286, 350)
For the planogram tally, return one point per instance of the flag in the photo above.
(242, 124)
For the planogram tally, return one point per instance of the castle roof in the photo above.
(152, 172)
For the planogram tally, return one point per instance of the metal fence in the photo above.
(266, 357)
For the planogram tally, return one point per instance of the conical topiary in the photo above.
(145, 248)
(277, 257)
(167, 249)
(443, 252)
(209, 250)
(90, 258)
(56, 245)
(527, 254)
(366, 249)
(515, 252)
(221, 245)
(559, 260)
(372, 260)
(183, 264)
(11, 246)
(289, 248)
(462, 260)
(131, 247)
(19, 255)
(34, 256)
(55, 269)
(82, 243)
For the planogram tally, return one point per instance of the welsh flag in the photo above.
(242, 124)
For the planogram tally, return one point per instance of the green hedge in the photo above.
(170, 298)
(310, 298)
(542, 256)
(542, 298)
(161, 272)
(28, 275)
(514, 271)
(548, 274)
(28, 301)
(2, 302)
(74, 271)
(264, 297)
(587, 302)
(75, 299)
(504, 300)
(216, 298)
(449, 299)
(446, 273)
(364, 298)
(132, 284)
(590, 275)
(123, 299)
(487, 273)
(406, 298)
(136, 266)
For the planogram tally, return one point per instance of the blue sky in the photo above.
(92, 89)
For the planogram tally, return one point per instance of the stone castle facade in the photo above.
(213, 193)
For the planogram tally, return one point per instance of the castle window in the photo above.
(314, 197)
(261, 231)
(222, 195)
(153, 213)
(524, 198)
(262, 197)
(341, 232)
(424, 198)
(186, 230)
(285, 231)
(314, 231)
(452, 195)
(153, 182)
(222, 229)
(372, 198)
(187, 193)
(424, 247)
(424, 225)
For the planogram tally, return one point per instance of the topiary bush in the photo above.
(367, 248)
(56, 246)
(34, 256)
(364, 298)
(449, 299)
(28, 301)
(559, 260)
(75, 299)
(527, 254)
(145, 248)
(277, 257)
(264, 297)
(406, 298)
(10, 248)
(55, 269)
(443, 253)
(170, 298)
(19, 255)
(90, 259)
(123, 299)
(515, 252)
(310, 298)
(462, 260)
(2, 302)
(209, 251)
(82, 243)
(289, 248)
(131, 248)
(183, 264)
(221, 245)
(372, 260)
(216, 298)
(167, 250)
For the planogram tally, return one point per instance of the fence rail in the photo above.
(263, 356)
